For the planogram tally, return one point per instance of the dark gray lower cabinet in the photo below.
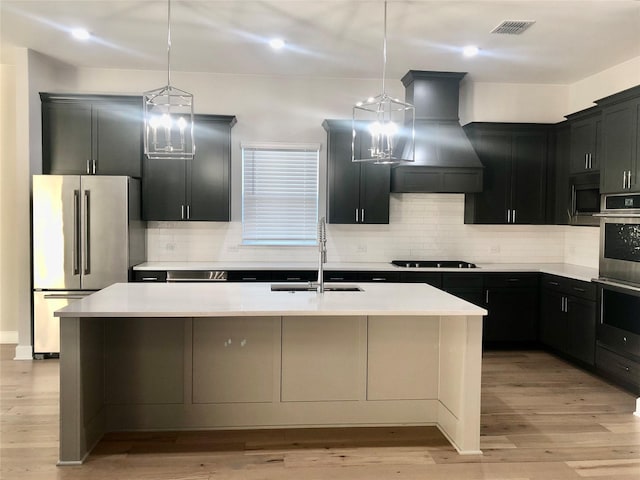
(512, 303)
(198, 189)
(568, 317)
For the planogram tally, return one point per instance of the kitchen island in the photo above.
(141, 356)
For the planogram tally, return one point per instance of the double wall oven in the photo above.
(618, 349)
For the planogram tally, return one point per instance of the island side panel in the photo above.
(82, 411)
(460, 381)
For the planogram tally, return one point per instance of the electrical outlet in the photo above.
(362, 248)
(170, 247)
(494, 249)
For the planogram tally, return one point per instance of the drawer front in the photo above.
(294, 275)
(569, 286)
(379, 276)
(501, 280)
(340, 276)
(149, 276)
(580, 289)
(461, 280)
(249, 276)
(431, 278)
(619, 339)
(617, 366)
(555, 283)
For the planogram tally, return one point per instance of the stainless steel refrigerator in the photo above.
(87, 234)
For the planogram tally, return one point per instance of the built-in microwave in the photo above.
(585, 199)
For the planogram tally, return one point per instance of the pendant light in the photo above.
(168, 116)
(383, 127)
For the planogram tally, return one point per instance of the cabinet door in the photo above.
(208, 172)
(561, 210)
(494, 151)
(375, 185)
(164, 189)
(66, 137)
(323, 358)
(553, 321)
(585, 143)
(118, 145)
(236, 359)
(529, 151)
(343, 195)
(512, 315)
(581, 338)
(619, 144)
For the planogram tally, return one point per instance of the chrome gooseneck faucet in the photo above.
(322, 249)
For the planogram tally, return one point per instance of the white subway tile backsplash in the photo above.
(421, 226)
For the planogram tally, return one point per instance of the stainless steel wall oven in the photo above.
(618, 333)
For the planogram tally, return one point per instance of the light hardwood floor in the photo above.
(542, 419)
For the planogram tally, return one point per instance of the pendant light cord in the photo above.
(384, 49)
(169, 43)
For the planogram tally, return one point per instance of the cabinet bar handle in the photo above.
(624, 180)
(486, 297)
(356, 215)
(362, 215)
(149, 279)
(629, 179)
(93, 167)
(513, 217)
(555, 284)
(586, 161)
(188, 212)
(88, 167)
(378, 279)
(578, 289)
(245, 279)
(293, 279)
(182, 212)
(508, 216)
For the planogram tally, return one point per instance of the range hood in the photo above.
(445, 161)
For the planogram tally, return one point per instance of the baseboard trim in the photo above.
(24, 352)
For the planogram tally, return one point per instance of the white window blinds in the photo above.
(280, 194)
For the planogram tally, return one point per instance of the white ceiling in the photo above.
(571, 39)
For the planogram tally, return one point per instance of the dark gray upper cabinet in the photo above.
(621, 142)
(586, 140)
(356, 192)
(515, 174)
(91, 134)
(559, 198)
(198, 189)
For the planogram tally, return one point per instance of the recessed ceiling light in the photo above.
(80, 34)
(470, 51)
(276, 43)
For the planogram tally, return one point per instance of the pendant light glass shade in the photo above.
(168, 117)
(383, 127)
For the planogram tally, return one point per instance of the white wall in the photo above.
(33, 73)
(8, 241)
(582, 94)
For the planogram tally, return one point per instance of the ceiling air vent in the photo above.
(512, 27)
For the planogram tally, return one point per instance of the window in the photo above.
(280, 194)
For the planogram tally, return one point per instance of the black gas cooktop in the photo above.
(433, 264)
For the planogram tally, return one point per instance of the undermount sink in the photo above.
(301, 287)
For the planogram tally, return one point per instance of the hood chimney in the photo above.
(445, 161)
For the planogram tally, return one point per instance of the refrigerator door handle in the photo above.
(53, 296)
(87, 230)
(76, 232)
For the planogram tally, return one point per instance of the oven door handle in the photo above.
(617, 215)
(604, 281)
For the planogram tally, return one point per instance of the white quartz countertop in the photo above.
(257, 299)
(577, 272)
